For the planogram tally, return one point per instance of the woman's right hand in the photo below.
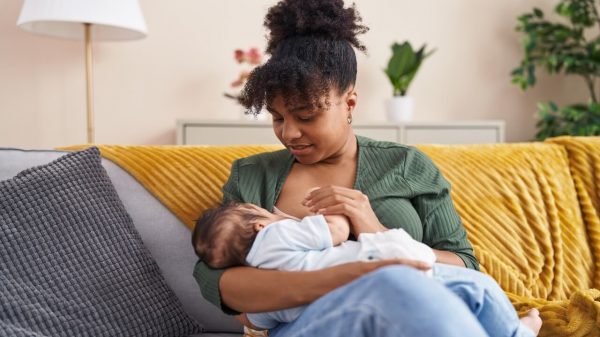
(248, 289)
(354, 204)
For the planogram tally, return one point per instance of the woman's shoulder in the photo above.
(266, 159)
(388, 149)
(380, 145)
(382, 156)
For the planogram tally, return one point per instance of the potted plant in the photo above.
(401, 70)
(571, 47)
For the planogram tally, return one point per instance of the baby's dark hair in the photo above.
(224, 235)
(310, 43)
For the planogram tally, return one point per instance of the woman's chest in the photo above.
(300, 181)
(388, 194)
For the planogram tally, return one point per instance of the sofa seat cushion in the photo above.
(71, 261)
(518, 203)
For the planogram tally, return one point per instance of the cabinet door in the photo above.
(235, 134)
(451, 135)
(229, 135)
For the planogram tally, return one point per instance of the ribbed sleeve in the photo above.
(442, 226)
(231, 190)
(208, 281)
(207, 278)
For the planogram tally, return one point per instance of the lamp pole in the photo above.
(110, 20)
(89, 83)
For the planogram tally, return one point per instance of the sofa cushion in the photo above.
(165, 236)
(71, 261)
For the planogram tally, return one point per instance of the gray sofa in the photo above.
(167, 238)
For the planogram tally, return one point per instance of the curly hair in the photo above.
(310, 44)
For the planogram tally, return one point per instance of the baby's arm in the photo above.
(394, 243)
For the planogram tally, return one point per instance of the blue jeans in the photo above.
(400, 301)
(484, 298)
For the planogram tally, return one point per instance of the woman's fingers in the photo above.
(342, 203)
(316, 194)
(346, 209)
(329, 195)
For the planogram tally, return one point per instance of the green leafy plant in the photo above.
(403, 66)
(570, 48)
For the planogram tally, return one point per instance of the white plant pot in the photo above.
(399, 109)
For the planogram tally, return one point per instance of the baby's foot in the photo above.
(532, 320)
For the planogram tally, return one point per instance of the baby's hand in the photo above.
(339, 227)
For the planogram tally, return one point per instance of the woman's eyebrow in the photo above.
(299, 108)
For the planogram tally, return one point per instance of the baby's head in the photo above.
(224, 235)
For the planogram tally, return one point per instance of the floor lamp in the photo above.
(88, 20)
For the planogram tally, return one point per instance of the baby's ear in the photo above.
(258, 227)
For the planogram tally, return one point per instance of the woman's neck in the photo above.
(347, 153)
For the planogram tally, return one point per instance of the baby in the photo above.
(244, 234)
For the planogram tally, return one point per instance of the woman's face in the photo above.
(314, 136)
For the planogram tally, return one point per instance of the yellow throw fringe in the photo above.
(532, 218)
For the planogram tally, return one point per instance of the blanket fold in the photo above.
(186, 179)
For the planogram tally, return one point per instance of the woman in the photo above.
(308, 87)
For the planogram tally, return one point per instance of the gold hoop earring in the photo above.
(349, 119)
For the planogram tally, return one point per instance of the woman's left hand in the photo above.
(345, 201)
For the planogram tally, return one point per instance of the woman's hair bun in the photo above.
(323, 18)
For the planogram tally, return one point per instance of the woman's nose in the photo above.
(290, 131)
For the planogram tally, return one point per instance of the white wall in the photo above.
(185, 64)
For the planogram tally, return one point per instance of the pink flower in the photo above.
(254, 56)
(239, 55)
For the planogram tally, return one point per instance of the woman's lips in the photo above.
(298, 150)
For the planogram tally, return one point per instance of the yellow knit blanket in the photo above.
(522, 207)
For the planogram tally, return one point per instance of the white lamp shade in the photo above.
(110, 19)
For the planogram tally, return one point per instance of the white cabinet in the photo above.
(206, 132)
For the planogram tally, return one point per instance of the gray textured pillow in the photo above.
(71, 261)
